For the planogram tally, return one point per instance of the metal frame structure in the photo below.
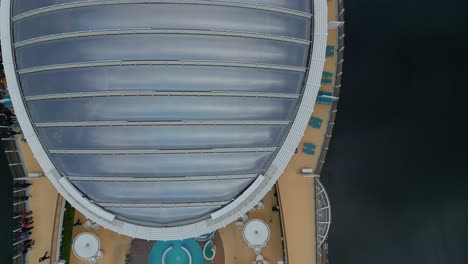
(322, 245)
(153, 93)
(227, 214)
(336, 86)
(192, 2)
(164, 123)
(322, 213)
(18, 175)
(160, 31)
(163, 62)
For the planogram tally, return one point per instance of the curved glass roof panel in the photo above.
(162, 215)
(22, 6)
(162, 165)
(161, 112)
(152, 108)
(163, 191)
(169, 47)
(162, 137)
(161, 78)
(161, 16)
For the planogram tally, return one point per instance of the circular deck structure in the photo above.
(322, 213)
(176, 252)
(163, 120)
(86, 245)
(256, 233)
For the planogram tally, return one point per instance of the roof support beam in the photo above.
(159, 93)
(323, 208)
(161, 62)
(163, 205)
(162, 179)
(157, 151)
(94, 33)
(166, 123)
(321, 191)
(79, 4)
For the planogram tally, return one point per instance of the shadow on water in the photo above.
(6, 201)
(394, 197)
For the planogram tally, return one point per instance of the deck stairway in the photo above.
(139, 251)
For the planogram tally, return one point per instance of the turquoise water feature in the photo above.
(176, 252)
(209, 251)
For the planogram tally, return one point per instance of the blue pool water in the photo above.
(176, 255)
(209, 250)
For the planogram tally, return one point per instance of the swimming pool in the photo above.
(176, 252)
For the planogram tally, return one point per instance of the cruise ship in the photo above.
(170, 131)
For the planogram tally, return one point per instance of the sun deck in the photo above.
(296, 195)
(46, 205)
(113, 245)
(297, 192)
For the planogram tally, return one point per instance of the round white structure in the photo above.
(166, 141)
(86, 246)
(256, 233)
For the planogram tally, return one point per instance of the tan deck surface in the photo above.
(296, 193)
(43, 203)
(331, 10)
(113, 245)
(298, 205)
(236, 250)
(56, 229)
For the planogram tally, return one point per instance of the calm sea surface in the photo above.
(6, 199)
(399, 195)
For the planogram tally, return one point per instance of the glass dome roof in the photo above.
(161, 113)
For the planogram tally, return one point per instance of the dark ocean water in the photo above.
(396, 179)
(397, 184)
(6, 199)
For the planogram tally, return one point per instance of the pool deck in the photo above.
(236, 250)
(296, 194)
(113, 245)
(44, 204)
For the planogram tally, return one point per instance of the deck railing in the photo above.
(321, 219)
(339, 60)
(17, 175)
(322, 222)
(283, 232)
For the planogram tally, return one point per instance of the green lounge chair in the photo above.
(316, 119)
(308, 151)
(327, 74)
(315, 122)
(315, 125)
(324, 100)
(321, 92)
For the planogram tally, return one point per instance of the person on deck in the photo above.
(44, 257)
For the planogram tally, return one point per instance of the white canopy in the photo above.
(86, 246)
(223, 98)
(256, 233)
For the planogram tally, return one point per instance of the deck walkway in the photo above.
(114, 246)
(296, 192)
(236, 250)
(43, 203)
